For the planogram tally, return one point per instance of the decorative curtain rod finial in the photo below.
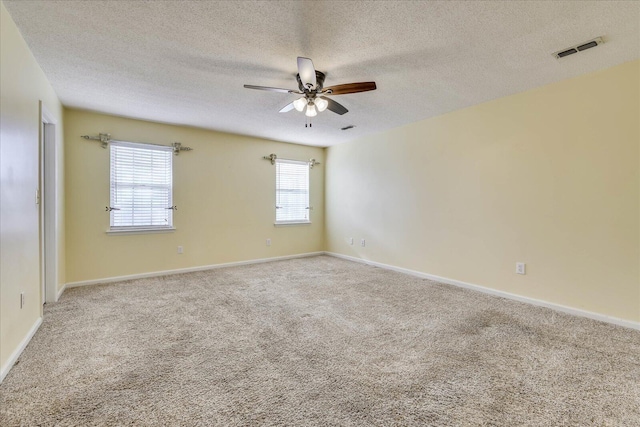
(104, 139)
(271, 157)
(177, 148)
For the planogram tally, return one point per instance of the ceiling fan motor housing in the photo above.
(319, 82)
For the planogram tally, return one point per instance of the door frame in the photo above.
(48, 206)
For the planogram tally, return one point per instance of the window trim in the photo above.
(137, 229)
(140, 230)
(297, 221)
(288, 223)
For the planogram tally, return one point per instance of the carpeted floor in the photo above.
(317, 342)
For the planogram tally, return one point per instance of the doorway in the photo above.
(48, 207)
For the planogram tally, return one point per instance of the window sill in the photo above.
(141, 231)
(286, 223)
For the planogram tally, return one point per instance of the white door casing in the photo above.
(48, 206)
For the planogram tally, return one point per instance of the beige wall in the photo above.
(23, 86)
(549, 177)
(224, 191)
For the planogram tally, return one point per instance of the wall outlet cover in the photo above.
(520, 268)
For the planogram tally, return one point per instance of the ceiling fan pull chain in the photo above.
(307, 122)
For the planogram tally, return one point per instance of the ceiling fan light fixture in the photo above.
(300, 103)
(311, 110)
(321, 104)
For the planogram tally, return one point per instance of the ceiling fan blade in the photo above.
(287, 108)
(334, 106)
(271, 89)
(350, 88)
(306, 71)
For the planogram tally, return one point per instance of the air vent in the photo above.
(579, 48)
(566, 53)
(348, 127)
(587, 46)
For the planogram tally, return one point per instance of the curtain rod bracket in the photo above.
(312, 163)
(271, 157)
(104, 139)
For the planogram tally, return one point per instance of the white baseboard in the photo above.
(18, 351)
(564, 309)
(60, 292)
(187, 270)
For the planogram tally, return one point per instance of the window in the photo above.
(141, 187)
(292, 192)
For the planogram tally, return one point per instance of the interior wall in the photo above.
(23, 86)
(549, 177)
(224, 191)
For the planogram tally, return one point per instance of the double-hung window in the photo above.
(141, 187)
(292, 192)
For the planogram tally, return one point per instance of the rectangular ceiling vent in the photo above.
(578, 48)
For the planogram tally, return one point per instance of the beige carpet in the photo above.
(317, 342)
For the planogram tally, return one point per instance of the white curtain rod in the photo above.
(105, 139)
(272, 157)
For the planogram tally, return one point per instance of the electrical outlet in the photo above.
(520, 268)
(268, 242)
(362, 242)
(351, 240)
(21, 299)
(180, 249)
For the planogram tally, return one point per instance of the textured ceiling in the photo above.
(185, 62)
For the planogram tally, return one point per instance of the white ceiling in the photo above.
(186, 62)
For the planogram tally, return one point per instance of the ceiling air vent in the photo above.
(578, 48)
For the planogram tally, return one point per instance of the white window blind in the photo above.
(292, 191)
(141, 186)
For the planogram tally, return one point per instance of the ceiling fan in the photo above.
(310, 84)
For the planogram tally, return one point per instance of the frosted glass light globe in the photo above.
(321, 104)
(300, 103)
